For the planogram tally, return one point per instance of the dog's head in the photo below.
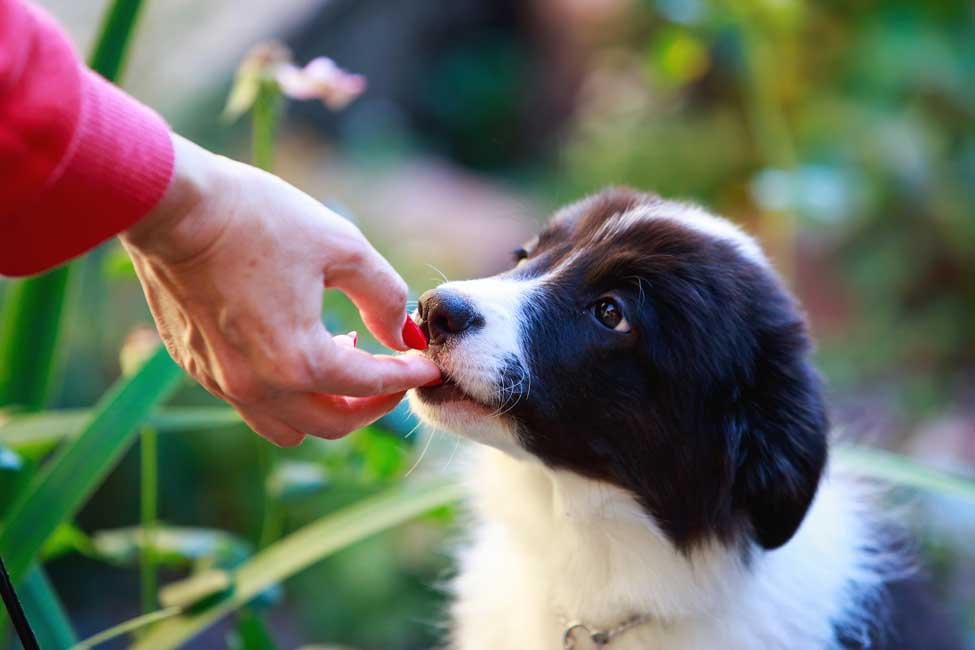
(644, 343)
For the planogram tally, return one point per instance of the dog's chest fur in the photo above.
(550, 546)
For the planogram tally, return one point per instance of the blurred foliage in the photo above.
(874, 107)
(842, 133)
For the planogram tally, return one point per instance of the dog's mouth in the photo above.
(446, 392)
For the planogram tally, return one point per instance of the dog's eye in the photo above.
(519, 254)
(609, 312)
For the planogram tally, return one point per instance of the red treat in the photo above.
(413, 335)
(436, 382)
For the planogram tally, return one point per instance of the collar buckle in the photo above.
(599, 638)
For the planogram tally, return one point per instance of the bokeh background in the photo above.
(840, 133)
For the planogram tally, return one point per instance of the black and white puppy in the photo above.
(654, 445)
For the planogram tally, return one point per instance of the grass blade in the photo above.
(44, 610)
(148, 506)
(303, 548)
(59, 490)
(901, 470)
(43, 430)
(29, 336)
(127, 627)
(114, 38)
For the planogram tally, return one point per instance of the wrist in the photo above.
(195, 173)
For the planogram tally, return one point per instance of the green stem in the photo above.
(264, 122)
(149, 512)
(271, 519)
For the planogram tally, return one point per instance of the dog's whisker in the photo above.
(423, 454)
(441, 273)
(452, 453)
(413, 430)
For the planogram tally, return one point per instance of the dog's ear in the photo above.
(782, 444)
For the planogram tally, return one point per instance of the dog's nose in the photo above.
(444, 314)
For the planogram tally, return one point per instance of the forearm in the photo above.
(80, 161)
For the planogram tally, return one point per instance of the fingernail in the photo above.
(413, 335)
(355, 337)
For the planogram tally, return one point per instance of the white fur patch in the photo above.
(475, 362)
(552, 546)
(690, 216)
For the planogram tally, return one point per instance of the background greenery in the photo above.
(840, 133)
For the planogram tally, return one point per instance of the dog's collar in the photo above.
(599, 638)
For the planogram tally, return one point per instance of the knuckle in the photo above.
(357, 251)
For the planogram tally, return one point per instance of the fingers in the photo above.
(323, 416)
(351, 372)
(333, 416)
(379, 293)
(270, 427)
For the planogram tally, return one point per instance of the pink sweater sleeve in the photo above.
(80, 160)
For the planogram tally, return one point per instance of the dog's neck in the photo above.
(591, 537)
(579, 550)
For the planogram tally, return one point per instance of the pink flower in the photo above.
(320, 79)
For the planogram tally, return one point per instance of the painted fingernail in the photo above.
(355, 337)
(413, 335)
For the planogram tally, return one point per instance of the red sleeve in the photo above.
(80, 161)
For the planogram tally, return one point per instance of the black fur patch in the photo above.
(708, 410)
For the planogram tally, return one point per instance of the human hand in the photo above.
(234, 263)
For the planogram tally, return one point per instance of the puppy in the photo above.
(653, 444)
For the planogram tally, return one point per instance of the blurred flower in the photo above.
(272, 62)
(257, 65)
(137, 347)
(320, 79)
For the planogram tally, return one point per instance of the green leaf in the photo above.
(60, 488)
(14, 473)
(127, 627)
(901, 470)
(45, 612)
(67, 538)
(29, 335)
(171, 546)
(198, 590)
(305, 547)
(117, 265)
(37, 432)
(251, 633)
(149, 518)
(114, 38)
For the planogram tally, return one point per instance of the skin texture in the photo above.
(234, 263)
